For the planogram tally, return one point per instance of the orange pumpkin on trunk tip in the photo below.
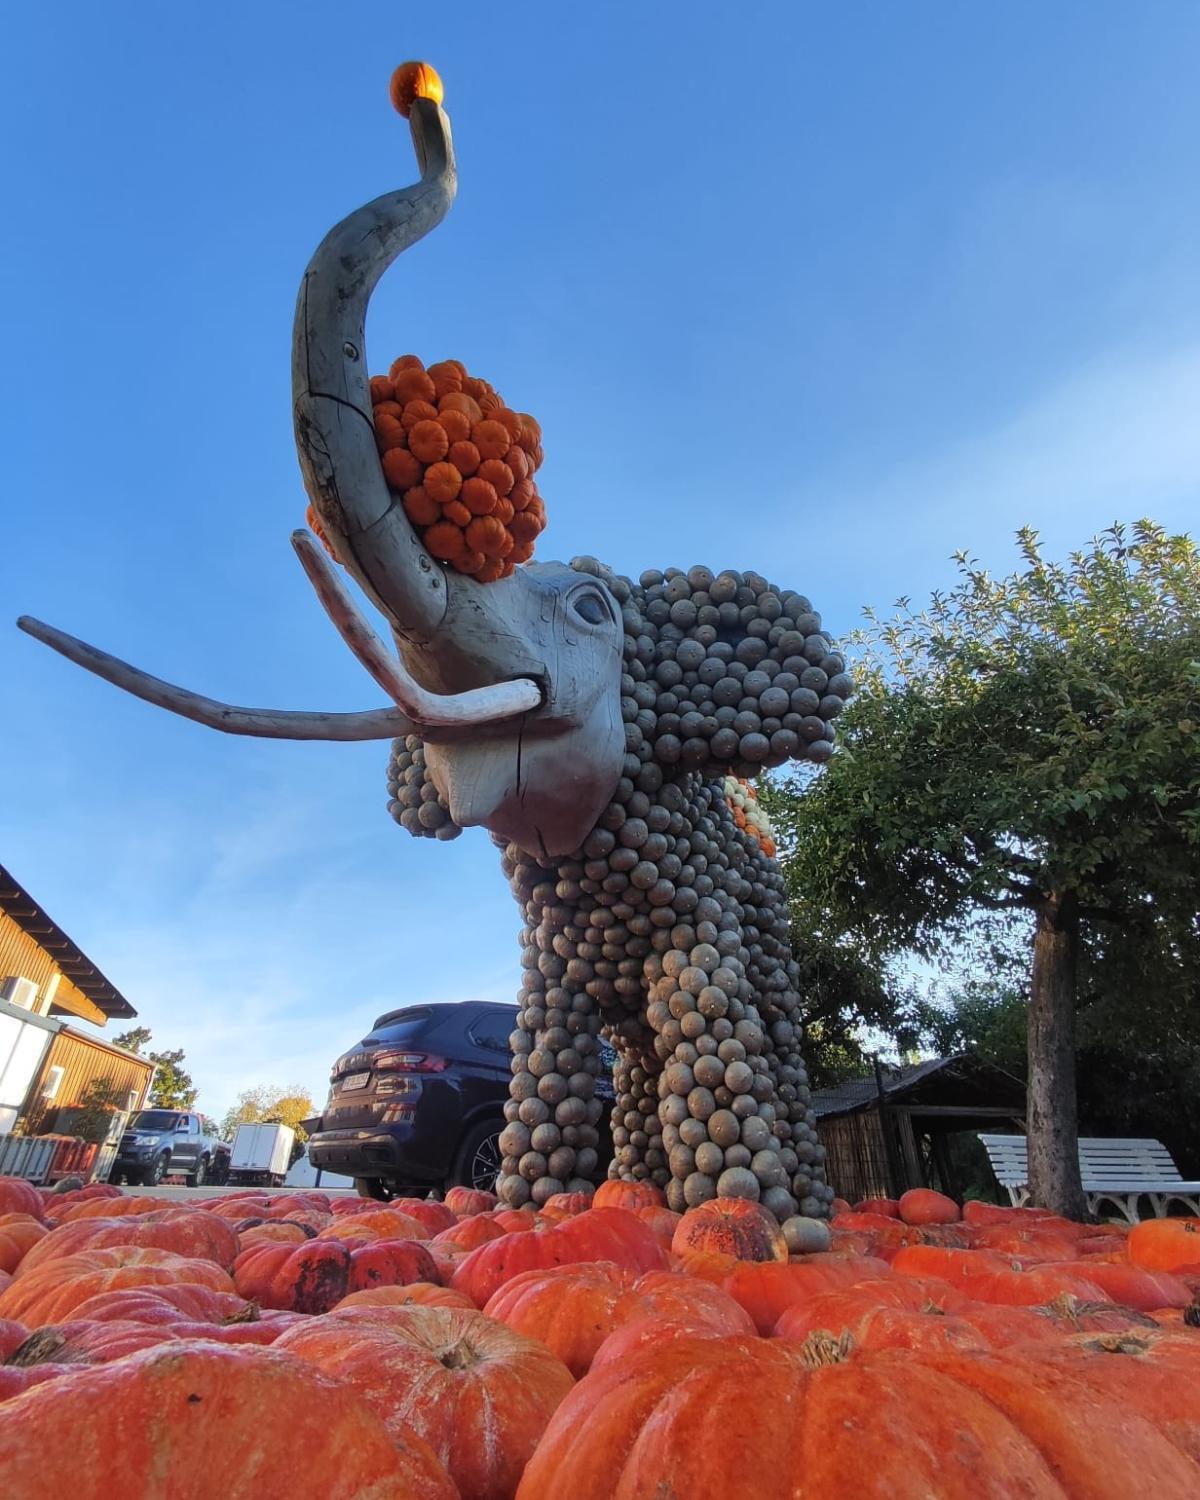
(412, 81)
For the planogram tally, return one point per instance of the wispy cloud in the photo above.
(1116, 438)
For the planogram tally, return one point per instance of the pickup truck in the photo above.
(157, 1142)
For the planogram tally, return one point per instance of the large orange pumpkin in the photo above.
(697, 1417)
(169, 1303)
(924, 1206)
(480, 1394)
(470, 1233)
(464, 1201)
(766, 1289)
(434, 1216)
(111, 1208)
(309, 1278)
(611, 1234)
(197, 1236)
(1131, 1286)
(846, 1307)
(1166, 1244)
(421, 1293)
(617, 1194)
(570, 1309)
(19, 1197)
(12, 1336)
(731, 1226)
(19, 1233)
(195, 1420)
(391, 1263)
(51, 1293)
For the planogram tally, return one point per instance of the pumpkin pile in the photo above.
(463, 464)
(307, 1344)
(749, 816)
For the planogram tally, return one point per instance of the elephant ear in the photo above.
(726, 673)
(413, 800)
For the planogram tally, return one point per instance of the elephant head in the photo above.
(519, 704)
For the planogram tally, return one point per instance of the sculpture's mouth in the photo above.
(416, 709)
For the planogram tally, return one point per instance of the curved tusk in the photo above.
(475, 706)
(265, 723)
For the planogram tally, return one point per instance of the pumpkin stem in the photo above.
(822, 1348)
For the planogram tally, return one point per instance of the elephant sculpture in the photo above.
(592, 724)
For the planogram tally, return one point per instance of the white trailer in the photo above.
(261, 1154)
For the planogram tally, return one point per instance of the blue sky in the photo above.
(826, 291)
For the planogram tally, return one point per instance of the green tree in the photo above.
(1024, 746)
(270, 1105)
(172, 1087)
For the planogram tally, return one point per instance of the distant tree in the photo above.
(172, 1087)
(270, 1104)
(1027, 746)
(134, 1040)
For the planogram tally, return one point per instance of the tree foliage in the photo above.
(1025, 746)
(172, 1087)
(269, 1104)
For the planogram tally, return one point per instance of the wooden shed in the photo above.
(915, 1126)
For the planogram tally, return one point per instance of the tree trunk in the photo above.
(1052, 1120)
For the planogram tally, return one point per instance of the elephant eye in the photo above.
(590, 606)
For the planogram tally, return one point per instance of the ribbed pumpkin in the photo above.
(469, 1234)
(391, 1263)
(663, 1223)
(730, 1226)
(19, 1197)
(418, 1293)
(480, 1394)
(570, 1309)
(193, 1421)
(565, 1205)
(110, 1208)
(376, 1224)
(52, 1293)
(309, 1278)
(1166, 1245)
(617, 1194)
(886, 1207)
(12, 1335)
(846, 1307)
(697, 1417)
(434, 1216)
(182, 1303)
(272, 1232)
(767, 1289)
(16, 1379)
(1131, 1286)
(80, 1342)
(196, 1236)
(610, 1234)
(464, 1201)
(19, 1233)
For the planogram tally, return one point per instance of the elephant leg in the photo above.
(549, 1143)
(638, 1154)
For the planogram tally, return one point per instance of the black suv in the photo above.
(420, 1101)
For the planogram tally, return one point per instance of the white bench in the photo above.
(1113, 1171)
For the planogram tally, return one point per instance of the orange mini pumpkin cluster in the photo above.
(748, 815)
(462, 462)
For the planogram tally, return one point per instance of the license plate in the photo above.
(355, 1080)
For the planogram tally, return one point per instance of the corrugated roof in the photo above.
(75, 964)
(861, 1093)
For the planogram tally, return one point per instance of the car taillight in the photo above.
(407, 1062)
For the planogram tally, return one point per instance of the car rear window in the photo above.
(492, 1029)
(154, 1119)
(398, 1024)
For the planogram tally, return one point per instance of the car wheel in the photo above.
(477, 1164)
(374, 1187)
(152, 1176)
(196, 1178)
